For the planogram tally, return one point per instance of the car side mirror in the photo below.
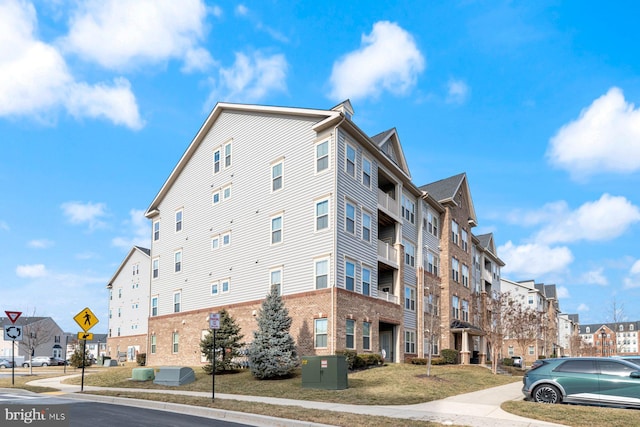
(635, 374)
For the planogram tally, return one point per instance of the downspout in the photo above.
(334, 326)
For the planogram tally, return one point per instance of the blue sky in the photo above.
(535, 101)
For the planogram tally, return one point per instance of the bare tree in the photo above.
(617, 316)
(495, 311)
(522, 324)
(431, 320)
(36, 331)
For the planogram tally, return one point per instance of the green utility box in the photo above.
(325, 372)
(142, 374)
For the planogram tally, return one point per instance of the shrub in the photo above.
(438, 361)
(507, 361)
(419, 361)
(141, 359)
(450, 356)
(372, 359)
(542, 357)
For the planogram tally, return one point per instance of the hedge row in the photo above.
(360, 361)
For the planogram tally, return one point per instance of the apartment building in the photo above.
(302, 199)
(611, 339)
(129, 304)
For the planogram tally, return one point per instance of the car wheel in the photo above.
(25, 365)
(45, 364)
(547, 393)
(2, 366)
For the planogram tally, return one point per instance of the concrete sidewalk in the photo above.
(477, 409)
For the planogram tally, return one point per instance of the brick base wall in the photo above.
(120, 344)
(303, 309)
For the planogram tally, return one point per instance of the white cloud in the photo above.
(457, 92)
(562, 292)
(533, 260)
(633, 278)
(250, 78)
(122, 34)
(4, 226)
(81, 213)
(40, 244)
(31, 271)
(635, 268)
(583, 307)
(605, 138)
(604, 219)
(34, 77)
(388, 60)
(138, 231)
(595, 277)
(543, 215)
(242, 10)
(216, 11)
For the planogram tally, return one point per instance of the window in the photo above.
(154, 306)
(455, 307)
(226, 238)
(227, 155)
(366, 227)
(156, 267)
(322, 273)
(409, 298)
(215, 288)
(153, 344)
(322, 156)
(410, 342)
(119, 311)
(588, 330)
(366, 172)
(175, 339)
(225, 285)
(276, 230)
(531, 350)
(432, 263)
(465, 310)
(215, 242)
(350, 334)
(177, 261)
(320, 332)
(176, 302)
(226, 192)
(275, 279)
(110, 314)
(276, 176)
(322, 215)
(431, 304)
(455, 270)
(366, 336)
(215, 199)
(156, 230)
(350, 218)
(408, 209)
(432, 224)
(454, 232)
(409, 253)
(465, 276)
(216, 161)
(366, 281)
(179, 220)
(531, 302)
(465, 244)
(350, 164)
(350, 276)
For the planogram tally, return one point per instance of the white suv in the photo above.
(39, 361)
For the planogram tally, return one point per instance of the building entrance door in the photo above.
(386, 345)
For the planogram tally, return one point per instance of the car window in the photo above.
(611, 367)
(580, 366)
(632, 360)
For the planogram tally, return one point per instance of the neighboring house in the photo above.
(568, 337)
(304, 200)
(41, 336)
(129, 306)
(612, 339)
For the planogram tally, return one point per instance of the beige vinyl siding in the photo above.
(257, 140)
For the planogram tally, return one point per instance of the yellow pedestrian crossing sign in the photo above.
(86, 319)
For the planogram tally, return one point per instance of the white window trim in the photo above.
(222, 236)
(273, 165)
(348, 203)
(222, 282)
(223, 197)
(316, 158)
(370, 228)
(347, 161)
(217, 192)
(224, 154)
(220, 160)
(272, 270)
(315, 214)
(355, 266)
(153, 261)
(215, 283)
(217, 239)
(175, 253)
(315, 331)
(365, 158)
(179, 294)
(353, 335)
(181, 222)
(315, 271)
(156, 223)
(362, 268)
(281, 229)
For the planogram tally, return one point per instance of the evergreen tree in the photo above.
(76, 358)
(273, 351)
(227, 344)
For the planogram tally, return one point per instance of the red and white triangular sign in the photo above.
(13, 315)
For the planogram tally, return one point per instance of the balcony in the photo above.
(387, 254)
(388, 204)
(386, 296)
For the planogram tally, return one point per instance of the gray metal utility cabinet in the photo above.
(174, 376)
(325, 372)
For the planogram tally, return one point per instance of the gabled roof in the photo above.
(446, 189)
(144, 251)
(23, 321)
(485, 241)
(325, 118)
(388, 142)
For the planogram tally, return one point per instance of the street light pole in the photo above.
(603, 335)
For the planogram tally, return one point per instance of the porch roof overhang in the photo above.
(460, 326)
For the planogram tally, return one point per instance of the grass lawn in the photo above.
(575, 415)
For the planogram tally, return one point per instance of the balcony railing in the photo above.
(388, 203)
(386, 296)
(387, 253)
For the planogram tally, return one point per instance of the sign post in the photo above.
(86, 320)
(214, 325)
(15, 336)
